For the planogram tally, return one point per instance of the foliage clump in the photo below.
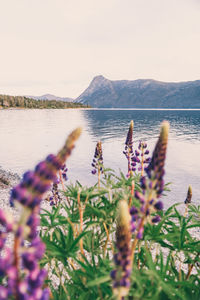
(113, 240)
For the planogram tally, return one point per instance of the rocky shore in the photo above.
(7, 181)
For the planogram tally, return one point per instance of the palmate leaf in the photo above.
(76, 241)
(85, 192)
(178, 234)
(155, 232)
(47, 212)
(108, 174)
(163, 287)
(170, 210)
(193, 225)
(148, 284)
(55, 251)
(44, 221)
(158, 273)
(96, 278)
(156, 279)
(59, 236)
(91, 210)
(55, 213)
(124, 182)
(194, 210)
(166, 245)
(61, 246)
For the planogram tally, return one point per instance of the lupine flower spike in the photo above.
(97, 162)
(152, 187)
(63, 171)
(188, 199)
(141, 156)
(54, 198)
(128, 152)
(63, 175)
(122, 259)
(189, 195)
(20, 267)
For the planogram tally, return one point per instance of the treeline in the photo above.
(24, 102)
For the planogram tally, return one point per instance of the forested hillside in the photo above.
(24, 102)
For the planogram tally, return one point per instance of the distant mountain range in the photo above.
(51, 97)
(141, 93)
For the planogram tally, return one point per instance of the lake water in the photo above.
(27, 136)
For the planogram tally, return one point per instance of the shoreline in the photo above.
(104, 108)
(26, 108)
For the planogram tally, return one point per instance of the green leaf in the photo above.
(98, 281)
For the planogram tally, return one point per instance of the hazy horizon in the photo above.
(65, 96)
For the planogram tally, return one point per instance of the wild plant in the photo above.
(20, 272)
(141, 157)
(128, 151)
(114, 240)
(99, 248)
(97, 162)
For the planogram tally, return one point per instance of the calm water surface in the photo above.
(27, 136)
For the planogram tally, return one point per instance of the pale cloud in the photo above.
(57, 46)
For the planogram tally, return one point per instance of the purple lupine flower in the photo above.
(137, 153)
(159, 205)
(189, 195)
(54, 197)
(128, 151)
(140, 157)
(97, 162)
(64, 170)
(155, 170)
(23, 278)
(152, 186)
(122, 259)
(156, 219)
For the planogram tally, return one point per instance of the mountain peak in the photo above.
(141, 93)
(99, 78)
(99, 83)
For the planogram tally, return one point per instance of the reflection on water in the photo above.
(27, 136)
(112, 123)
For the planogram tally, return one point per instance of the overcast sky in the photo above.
(58, 46)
